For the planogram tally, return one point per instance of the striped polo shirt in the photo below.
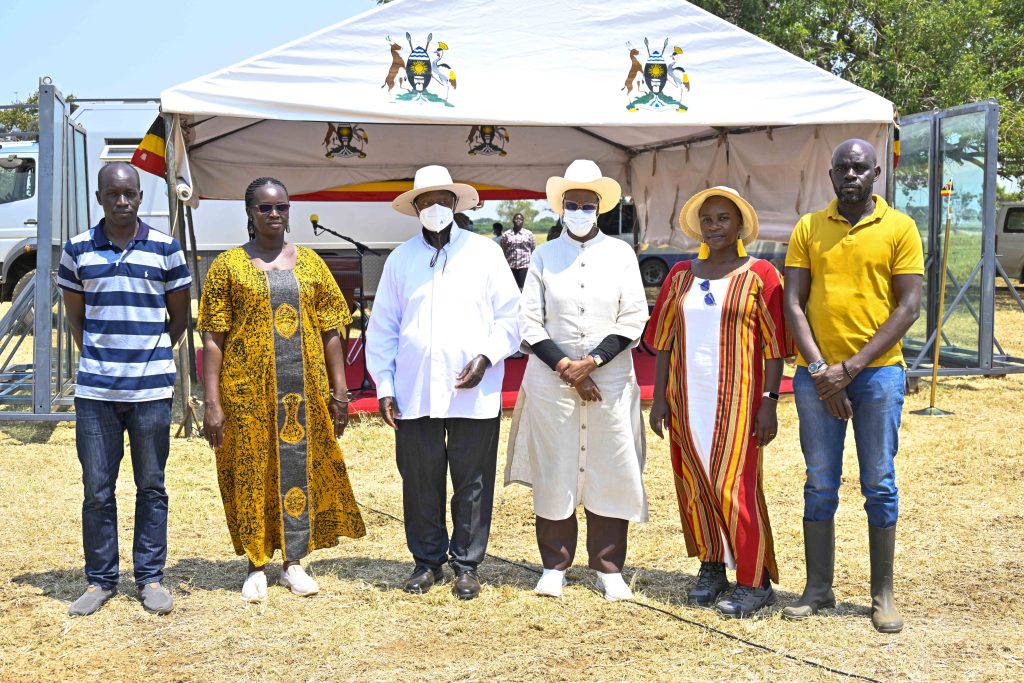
(126, 347)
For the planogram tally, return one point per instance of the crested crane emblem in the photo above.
(656, 80)
(415, 75)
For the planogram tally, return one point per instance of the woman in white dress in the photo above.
(577, 434)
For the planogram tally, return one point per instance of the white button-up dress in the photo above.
(574, 452)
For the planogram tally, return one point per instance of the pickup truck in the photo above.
(1010, 238)
(655, 262)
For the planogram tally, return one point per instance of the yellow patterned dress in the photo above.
(282, 475)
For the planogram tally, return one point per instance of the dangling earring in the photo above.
(705, 251)
(250, 228)
(740, 249)
(288, 228)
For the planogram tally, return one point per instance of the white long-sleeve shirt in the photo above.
(428, 322)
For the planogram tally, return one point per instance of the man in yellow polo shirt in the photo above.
(853, 289)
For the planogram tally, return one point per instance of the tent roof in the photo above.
(532, 63)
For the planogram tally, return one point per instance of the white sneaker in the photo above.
(613, 586)
(550, 583)
(300, 583)
(255, 587)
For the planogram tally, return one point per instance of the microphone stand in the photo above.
(366, 386)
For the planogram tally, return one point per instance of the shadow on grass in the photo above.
(29, 432)
(670, 588)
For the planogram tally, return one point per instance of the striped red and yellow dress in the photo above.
(718, 334)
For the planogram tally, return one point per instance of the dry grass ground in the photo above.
(959, 557)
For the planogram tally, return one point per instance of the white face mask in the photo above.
(436, 218)
(579, 222)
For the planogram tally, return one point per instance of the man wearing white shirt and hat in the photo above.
(444, 319)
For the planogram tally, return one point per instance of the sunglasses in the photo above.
(267, 208)
(586, 208)
(709, 298)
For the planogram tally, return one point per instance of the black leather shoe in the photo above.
(422, 580)
(467, 585)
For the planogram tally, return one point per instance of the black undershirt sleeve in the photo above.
(611, 346)
(548, 352)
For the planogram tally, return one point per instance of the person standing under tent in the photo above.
(444, 320)
(719, 330)
(853, 289)
(126, 294)
(577, 436)
(276, 397)
(518, 245)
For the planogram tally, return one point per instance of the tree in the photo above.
(19, 120)
(507, 208)
(922, 56)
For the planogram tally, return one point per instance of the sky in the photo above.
(116, 48)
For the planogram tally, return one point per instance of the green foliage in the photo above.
(924, 55)
(19, 120)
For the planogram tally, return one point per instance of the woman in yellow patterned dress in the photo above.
(276, 398)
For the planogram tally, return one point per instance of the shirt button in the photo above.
(581, 469)
(583, 426)
(582, 265)
(583, 448)
(581, 285)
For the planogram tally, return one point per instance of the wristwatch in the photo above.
(771, 394)
(817, 366)
(598, 361)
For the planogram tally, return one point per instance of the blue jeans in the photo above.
(99, 432)
(877, 398)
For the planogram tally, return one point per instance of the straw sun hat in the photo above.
(689, 218)
(431, 178)
(584, 174)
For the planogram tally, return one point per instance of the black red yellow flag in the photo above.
(151, 152)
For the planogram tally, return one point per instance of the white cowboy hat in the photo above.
(584, 174)
(430, 178)
(689, 220)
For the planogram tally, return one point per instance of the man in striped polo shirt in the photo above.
(126, 293)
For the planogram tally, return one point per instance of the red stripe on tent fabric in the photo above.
(385, 196)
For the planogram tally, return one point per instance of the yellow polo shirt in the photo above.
(851, 276)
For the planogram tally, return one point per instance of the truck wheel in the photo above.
(25, 323)
(653, 272)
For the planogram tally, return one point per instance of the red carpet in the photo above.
(366, 402)
(514, 368)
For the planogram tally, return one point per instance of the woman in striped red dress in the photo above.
(719, 330)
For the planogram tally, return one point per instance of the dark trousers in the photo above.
(99, 438)
(520, 275)
(606, 542)
(427, 448)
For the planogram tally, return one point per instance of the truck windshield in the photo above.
(18, 181)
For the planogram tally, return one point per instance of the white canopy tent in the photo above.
(664, 96)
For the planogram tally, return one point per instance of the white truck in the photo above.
(1010, 238)
(113, 131)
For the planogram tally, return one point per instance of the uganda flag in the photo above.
(149, 155)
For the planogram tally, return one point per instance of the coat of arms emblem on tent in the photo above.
(487, 140)
(656, 80)
(418, 72)
(345, 140)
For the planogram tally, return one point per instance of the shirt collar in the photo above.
(881, 207)
(455, 236)
(100, 239)
(599, 237)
